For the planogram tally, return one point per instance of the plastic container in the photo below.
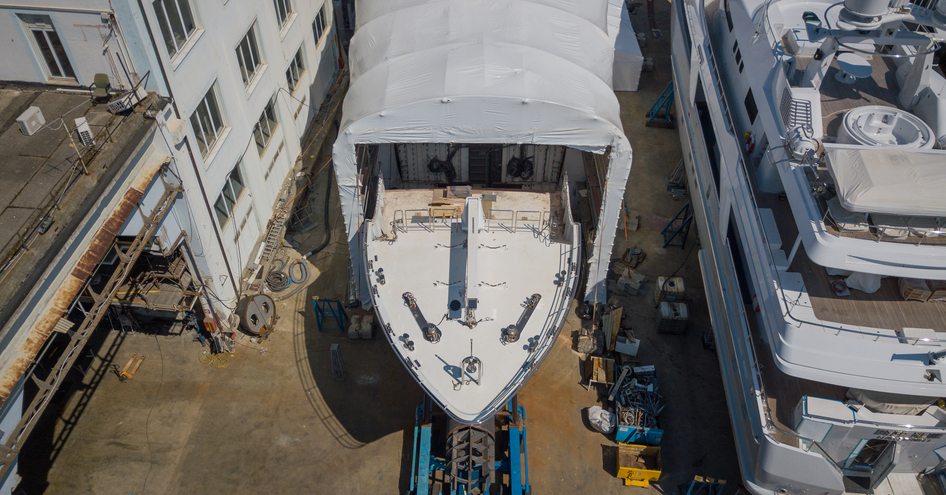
(672, 317)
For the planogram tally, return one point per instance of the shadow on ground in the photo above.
(376, 396)
(67, 406)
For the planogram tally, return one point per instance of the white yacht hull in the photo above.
(767, 465)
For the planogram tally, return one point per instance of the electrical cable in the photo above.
(327, 231)
(215, 296)
(277, 280)
(154, 403)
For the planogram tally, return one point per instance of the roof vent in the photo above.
(31, 120)
(875, 125)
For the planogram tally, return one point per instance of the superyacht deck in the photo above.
(885, 308)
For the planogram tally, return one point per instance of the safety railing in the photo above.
(513, 221)
(445, 217)
(427, 219)
(913, 231)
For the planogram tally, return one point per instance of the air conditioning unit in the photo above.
(85, 132)
(31, 120)
(126, 101)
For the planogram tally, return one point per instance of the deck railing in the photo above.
(446, 217)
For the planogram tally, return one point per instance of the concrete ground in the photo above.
(273, 418)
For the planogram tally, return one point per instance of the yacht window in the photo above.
(733, 241)
(728, 14)
(751, 109)
(738, 53)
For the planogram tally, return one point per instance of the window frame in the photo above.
(271, 120)
(198, 121)
(272, 162)
(284, 18)
(254, 52)
(319, 25)
(225, 214)
(296, 69)
(52, 55)
(174, 46)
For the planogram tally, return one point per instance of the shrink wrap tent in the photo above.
(484, 71)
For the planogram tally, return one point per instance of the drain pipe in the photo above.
(192, 261)
(190, 152)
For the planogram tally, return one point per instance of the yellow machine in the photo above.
(638, 465)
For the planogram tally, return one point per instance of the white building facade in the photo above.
(245, 80)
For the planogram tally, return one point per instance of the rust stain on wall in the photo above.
(74, 282)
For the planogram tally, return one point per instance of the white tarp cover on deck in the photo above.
(885, 180)
(484, 71)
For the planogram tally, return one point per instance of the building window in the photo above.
(283, 11)
(272, 162)
(319, 26)
(751, 109)
(246, 219)
(176, 21)
(207, 123)
(266, 125)
(228, 197)
(248, 56)
(295, 70)
(49, 44)
(299, 107)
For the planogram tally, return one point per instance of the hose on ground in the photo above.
(300, 284)
(278, 280)
(303, 272)
(327, 230)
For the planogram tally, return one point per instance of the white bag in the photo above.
(601, 419)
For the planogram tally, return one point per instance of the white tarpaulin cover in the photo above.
(484, 71)
(885, 180)
(628, 58)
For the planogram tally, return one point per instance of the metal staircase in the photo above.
(101, 303)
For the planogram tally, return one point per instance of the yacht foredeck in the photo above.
(426, 251)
